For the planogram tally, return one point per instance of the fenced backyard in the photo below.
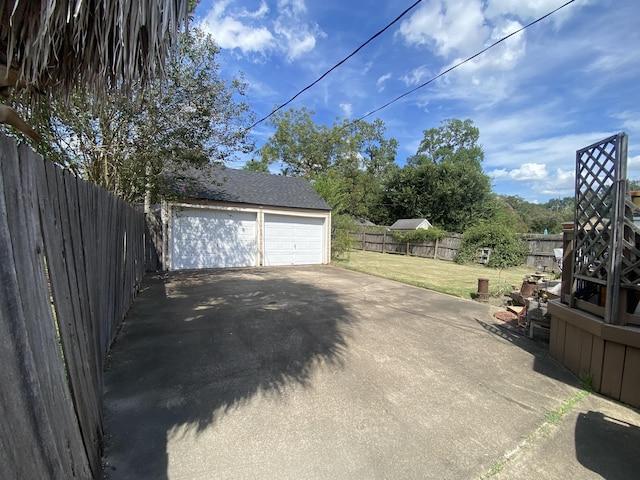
(541, 247)
(72, 257)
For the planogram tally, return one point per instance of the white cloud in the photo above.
(630, 121)
(416, 76)
(527, 172)
(263, 31)
(544, 167)
(485, 80)
(633, 167)
(231, 33)
(347, 109)
(382, 80)
(292, 8)
(560, 184)
(300, 36)
(492, 76)
(450, 26)
(260, 13)
(298, 41)
(457, 29)
(536, 179)
(504, 56)
(559, 150)
(529, 10)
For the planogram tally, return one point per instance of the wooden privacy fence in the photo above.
(383, 242)
(541, 250)
(541, 247)
(71, 261)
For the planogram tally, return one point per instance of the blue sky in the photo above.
(562, 84)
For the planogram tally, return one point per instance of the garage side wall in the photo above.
(220, 235)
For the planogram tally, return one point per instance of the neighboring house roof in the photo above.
(242, 186)
(411, 224)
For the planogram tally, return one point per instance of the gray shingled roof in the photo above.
(409, 223)
(242, 186)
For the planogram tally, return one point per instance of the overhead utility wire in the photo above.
(462, 62)
(335, 66)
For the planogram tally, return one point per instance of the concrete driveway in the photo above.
(323, 373)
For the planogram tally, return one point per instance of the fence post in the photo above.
(363, 233)
(435, 251)
(384, 240)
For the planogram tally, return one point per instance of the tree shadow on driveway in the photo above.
(196, 345)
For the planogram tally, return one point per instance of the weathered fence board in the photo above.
(540, 256)
(40, 437)
(383, 242)
(71, 261)
(541, 248)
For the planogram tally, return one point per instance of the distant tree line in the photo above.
(353, 167)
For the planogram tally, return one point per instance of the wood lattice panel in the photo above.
(601, 229)
(595, 178)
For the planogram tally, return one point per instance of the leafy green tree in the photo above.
(365, 146)
(125, 144)
(356, 156)
(342, 224)
(444, 181)
(562, 205)
(508, 216)
(454, 141)
(364, 161)
(303, 148)
(536, 218)
(256, 166)
(634, 184)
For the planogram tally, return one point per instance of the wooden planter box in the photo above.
(586, 345)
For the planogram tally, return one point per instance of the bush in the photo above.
(341, 241)
(420, 235)
(507, 250)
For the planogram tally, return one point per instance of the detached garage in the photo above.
(237, 218)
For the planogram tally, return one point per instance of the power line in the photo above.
(462, 62)
(335, 66)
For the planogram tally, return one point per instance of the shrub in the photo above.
(420, 235)
(341, 241)
(507, 250)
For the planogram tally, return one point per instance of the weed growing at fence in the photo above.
(586, 381)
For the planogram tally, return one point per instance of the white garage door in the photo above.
(203, 238)
(290, 240)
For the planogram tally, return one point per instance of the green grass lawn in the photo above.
(438, 275)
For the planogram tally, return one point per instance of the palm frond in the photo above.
(58, 44)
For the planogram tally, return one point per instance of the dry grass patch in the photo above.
(438, 275)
